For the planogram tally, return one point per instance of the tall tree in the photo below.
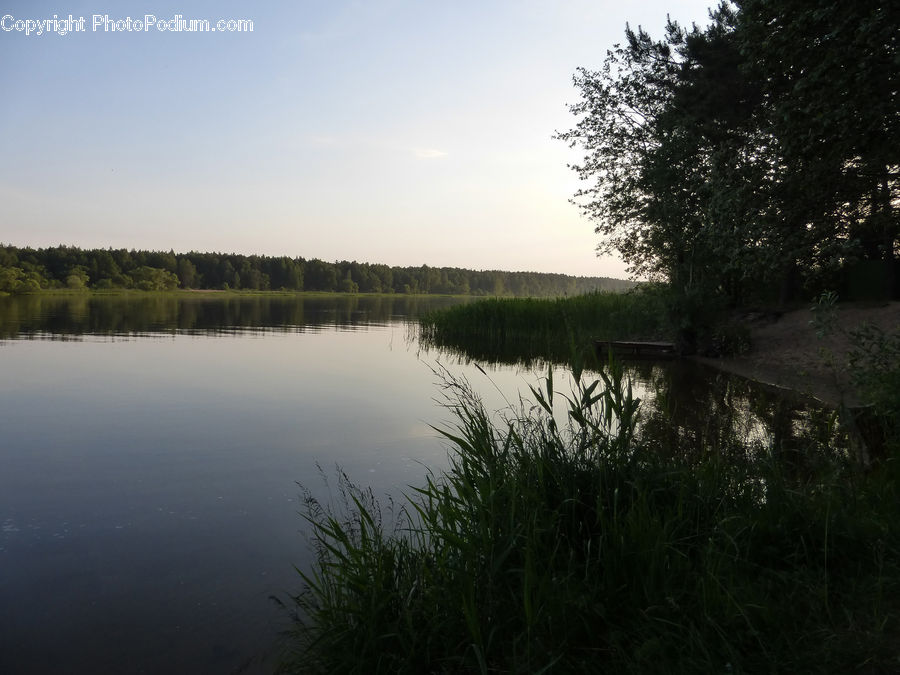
(759, 152)
(618, 113)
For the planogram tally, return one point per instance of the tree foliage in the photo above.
(756, 155)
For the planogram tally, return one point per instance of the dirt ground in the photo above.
(787, 353)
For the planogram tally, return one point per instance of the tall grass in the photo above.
(516, 329)
(567, 546)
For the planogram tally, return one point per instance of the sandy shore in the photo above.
(787, 353)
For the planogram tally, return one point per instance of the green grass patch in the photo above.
(571, 546)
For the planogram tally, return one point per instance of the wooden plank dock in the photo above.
(636, 350)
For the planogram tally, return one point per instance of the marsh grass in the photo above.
(566, 546)
(525, 329)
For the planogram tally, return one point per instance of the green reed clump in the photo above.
(567, 546)
(529, 328)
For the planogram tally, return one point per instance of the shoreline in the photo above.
(787, 354)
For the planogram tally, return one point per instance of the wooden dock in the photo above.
(636, 350)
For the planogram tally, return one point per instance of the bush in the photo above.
(875, 365)
(730, 338)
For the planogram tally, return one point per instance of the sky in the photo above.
(404, 132)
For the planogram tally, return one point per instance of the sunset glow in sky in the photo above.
(394, 131)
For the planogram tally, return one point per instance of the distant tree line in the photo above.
(24, 270)
(754, 160)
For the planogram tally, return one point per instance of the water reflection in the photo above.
(64, 316)
(689, 409)
(693, 408)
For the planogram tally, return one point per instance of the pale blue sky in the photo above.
(395, 131)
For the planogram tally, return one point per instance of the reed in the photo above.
(560, 329)
(567, 546)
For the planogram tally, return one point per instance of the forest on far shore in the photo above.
(27, 270)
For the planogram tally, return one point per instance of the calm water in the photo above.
(148, 459)
(150, 448)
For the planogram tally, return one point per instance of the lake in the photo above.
(151, 448)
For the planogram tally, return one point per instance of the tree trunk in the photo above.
(889, 239)
(789, 284)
